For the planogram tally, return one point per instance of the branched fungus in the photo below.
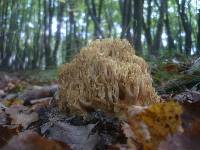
(105, 74)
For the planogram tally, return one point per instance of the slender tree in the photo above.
(170, 40)
(126, 13)
(96, 16)
(138, 24)
(147, 25)
(49, 7)
(58, 32)
(198, 34)
(186, 26)
(159, 30)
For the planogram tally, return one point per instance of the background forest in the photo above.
(45, 33)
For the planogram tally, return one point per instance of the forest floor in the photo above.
(30, 118)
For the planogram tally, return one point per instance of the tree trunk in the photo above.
(198, 34)
(109, 19)
(58, 32)
(11, 34)
(147, 26)
(3, 24)
(86, 27)
(37, 49)
(138, 24)
(95, 18)
(186, 26)
(170, 40)
(126, 12)
(157, 40)
(48, 16)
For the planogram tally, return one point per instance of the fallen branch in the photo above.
(44, 92)
(34, 101)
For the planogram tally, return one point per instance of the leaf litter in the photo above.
(30, 118)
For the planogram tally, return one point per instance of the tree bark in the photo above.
(3, 24)
(170, 40)
(138, 25)
(147, 26)
(58, 32)
(11, 34)
(126, 12)
(186, 26)
(48, 16)
(157, 40)
(96, 19)
(198, 34)
(37, 49)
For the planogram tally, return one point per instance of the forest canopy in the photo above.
(45, 33)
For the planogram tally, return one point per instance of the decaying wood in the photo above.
(44, 92)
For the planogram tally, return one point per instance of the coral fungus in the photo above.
(105, 74)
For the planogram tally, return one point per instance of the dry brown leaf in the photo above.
(7, 133)
(32, 141)
(42, 104)
(119, 147)
(21, 115)
(2, 93)
(188, 97)
(153, 124)
(78, 137)
(170, 67)
(10, 102)
(3, 118)
(188, 140)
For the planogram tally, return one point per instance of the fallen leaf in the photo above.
(3, 118)
(2, 106)
(10, 102)
(134, 110)
(188, 140)
(187, 97)
(2, 93)
(119, 147)
(32, 141)
(10, 86)
(6, 133)
(10, 96)
(22, 115)
(38, 106)
(194, 129)
(170, 67)
(78, 137)
(154, 124)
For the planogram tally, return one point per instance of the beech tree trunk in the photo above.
(138, 25)
(198, 34)
(186, 26)
(126, 12)
(147, 26)
(157, 39)
(170, 40)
